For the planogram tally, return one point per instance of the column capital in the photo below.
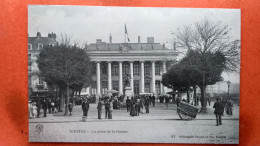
(97, 61)
(120, 61)
(109, 61)
(131, 61)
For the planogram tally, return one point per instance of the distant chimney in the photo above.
(110, 38)
(52, 36)
(150, 39)
(99, 41)
(139, 39)
(38, 34)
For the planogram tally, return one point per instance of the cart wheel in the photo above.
(183, 116)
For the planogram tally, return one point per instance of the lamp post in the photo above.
(228, 82)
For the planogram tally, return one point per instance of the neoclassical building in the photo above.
(144, 63)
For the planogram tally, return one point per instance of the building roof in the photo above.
(121, 46)
(34, 41)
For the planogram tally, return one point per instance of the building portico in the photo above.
(144, 63)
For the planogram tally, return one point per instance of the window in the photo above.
(157, 68)
(147, 86)
(104, 87)
(29, 46)
(29, 57)
(94, 87)
(147, 69)
(125, 69)
(104, 69)
(158, 87)
(40, 80)
(40, 46)
(136, 69)
(115, 85)
(114, 69)
(94, 69)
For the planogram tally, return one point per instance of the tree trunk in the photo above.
(202, 100)
(195, 95)
(188, 96)
(67, 100)
(61, 100)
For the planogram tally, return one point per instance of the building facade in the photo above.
(36, 83)
(144, 63)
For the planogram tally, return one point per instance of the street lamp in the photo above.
(228, 82)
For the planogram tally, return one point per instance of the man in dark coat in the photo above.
(38, 105)
(153, 100)
(99, 108)
(178, 101)
(85, 107)
(128, 104)
(146, 104)
(167, 99)
(44, 106)
(107, 105)
(219, 110)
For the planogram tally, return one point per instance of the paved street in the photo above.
(161, 125)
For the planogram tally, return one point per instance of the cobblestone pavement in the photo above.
(161, 125)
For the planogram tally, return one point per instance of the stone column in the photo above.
(120, 79)
(153, 77)
(109, 80)
(132, 76)
(98, 79)
(142, 77)
(164, 89)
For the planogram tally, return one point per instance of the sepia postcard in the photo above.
(133, 74)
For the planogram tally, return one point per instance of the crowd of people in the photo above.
(134, 105)
(47, 105)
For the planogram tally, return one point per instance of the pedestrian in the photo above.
(178, 101)
(142, 105)
(86, 107)
(153, 100)
(133, 110)
(128, 104)
(166, 100)
(219, 110)
(146, 104)
(99, 108)
(52, 106)
(49, 105)
(110, 109)
(70, 108)
(44, 107)
(38, 105)
(106, 108)
(34, 110)
(138, 106)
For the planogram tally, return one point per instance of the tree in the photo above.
(214, 50)
(66, 66)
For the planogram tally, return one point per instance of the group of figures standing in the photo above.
(45, 104)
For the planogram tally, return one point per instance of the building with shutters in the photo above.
(36, 84)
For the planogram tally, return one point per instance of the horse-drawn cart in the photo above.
(187, 111)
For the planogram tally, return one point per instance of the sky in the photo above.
(88, 23)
